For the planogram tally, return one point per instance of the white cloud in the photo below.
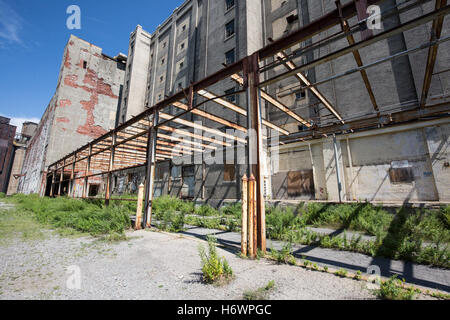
(10, 25)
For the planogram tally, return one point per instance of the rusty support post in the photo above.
(244, 235)
(255, 144)
(52, 187)
(61, 178)
(111, 167)
(72, 177)
(150, 175)
(88, 169)
(251, 215)
(138, 224)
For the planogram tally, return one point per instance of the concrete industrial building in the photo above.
(405, 163)
(83, 107)
(7, 134)
(385, 163)
(20, 145)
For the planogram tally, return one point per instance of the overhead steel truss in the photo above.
(154, 135)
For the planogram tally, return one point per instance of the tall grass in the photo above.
(73, 214)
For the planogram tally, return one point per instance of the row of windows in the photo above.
(179, 172)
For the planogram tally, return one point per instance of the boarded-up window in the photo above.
(159, 172)
(300, 183)
(401, 175)
(229, 172)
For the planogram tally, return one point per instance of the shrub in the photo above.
(2, 195)
(164, 204)
(234, 210)
(206, 210)
(215, 270)
(392, 289)
(280, 222)
(261, 293)
(341, 273)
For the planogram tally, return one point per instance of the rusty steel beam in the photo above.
(361, 6)
(362, 44)
(302, 78)
(436, 31)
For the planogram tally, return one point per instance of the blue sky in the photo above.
(33, 35)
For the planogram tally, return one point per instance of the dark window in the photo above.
(230, 4)
(401, 175)
(229, 29)
(229, 57)
(182, 45)
(162, 61)
(159, 174)
(184, 27)
(164, 44)
(300, 95)
(161, 79)
(181, 65)
(231, 98)
(292, 18)
(93, 190)
(84, 64)
(229, 173)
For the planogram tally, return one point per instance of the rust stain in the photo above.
(65, 103)
(90, 128)
(62, 119)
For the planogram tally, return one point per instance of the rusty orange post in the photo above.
(138, 224)
(255, 218)
(244, 234)
(251, 217)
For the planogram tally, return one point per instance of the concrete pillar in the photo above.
(438, 142)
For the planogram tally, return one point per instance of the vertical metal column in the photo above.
(61, 178)
(338, 169)
(88, 169)
(110, 168)
(255, 143)
(52, 187)
(72, 177)
(150, 168)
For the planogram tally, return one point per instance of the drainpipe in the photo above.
(338, 171)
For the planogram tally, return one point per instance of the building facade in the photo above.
(405, 163)
(84, 107)
(20, 147)
(7, 134)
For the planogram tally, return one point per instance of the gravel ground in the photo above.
(150, 265)
(420, 275)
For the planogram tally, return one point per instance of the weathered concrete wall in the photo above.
(7, 133)
(83, 108)
(365, 160)
(34, 163)
(87, 98)
(136, 76)
(19, 156)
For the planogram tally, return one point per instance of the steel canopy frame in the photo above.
(144, 140)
